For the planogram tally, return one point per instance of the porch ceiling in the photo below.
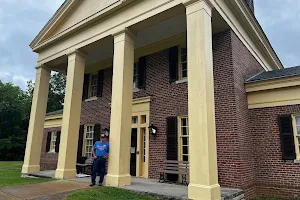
(156, 29)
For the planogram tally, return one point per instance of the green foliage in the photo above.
(15, 106)
(107, 193)
(56, 91)
(13, 121)
(10, 175)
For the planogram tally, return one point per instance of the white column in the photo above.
(37, 121)
(121, 110)
(202, 132)
(66, 166)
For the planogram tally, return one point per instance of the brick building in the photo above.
(234, 118)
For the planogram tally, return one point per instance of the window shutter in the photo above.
(173, 64)
(48, 141)
(172, 143)
(85, 91)
(57, 141)
(287, 137)
(97, 132)
(80, 141)
(142, 72)
(100, 83)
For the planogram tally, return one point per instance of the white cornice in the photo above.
(62, 9)
(252, 27)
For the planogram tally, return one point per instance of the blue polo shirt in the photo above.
(102, 148)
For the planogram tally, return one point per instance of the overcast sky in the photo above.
(21, 20)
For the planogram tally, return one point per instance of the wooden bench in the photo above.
(175, 167)
(81, 167)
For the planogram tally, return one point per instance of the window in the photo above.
(182, 63)
(183, 139)
(135, 76)
(89, 141)
(53, 141)
(134, 120)
(296, 124)
(93, 85)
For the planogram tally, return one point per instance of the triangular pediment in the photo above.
(70, 14)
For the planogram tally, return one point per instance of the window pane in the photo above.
(185, 149)
(183, 122)
(134, 120)
(298, 140)
(298, 120)
(183, 51)
(183, 58)
(298, 130)
(185, 158)
(184, 132)
(184, 141)
(184, 74)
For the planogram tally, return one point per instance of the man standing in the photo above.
(100, 156)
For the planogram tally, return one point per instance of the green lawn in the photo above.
(107, 193)
(10, 175)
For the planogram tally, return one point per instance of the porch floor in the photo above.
(154, 188)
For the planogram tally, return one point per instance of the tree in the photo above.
(56, 91)
(13, 121)
(15, 107)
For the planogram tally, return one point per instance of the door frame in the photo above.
(141, 107)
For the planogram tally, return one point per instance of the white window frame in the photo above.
(181, 136)
(181, 61)
(89, 131)
(53, 141)
(135, 76)
(93, 85)
(296, 134)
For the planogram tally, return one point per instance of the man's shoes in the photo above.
(92, 184)
(100, 184)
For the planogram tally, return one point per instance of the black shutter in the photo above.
(48, 141)
(142, 72)
(85, 91)
(100, 83)
(57, 141)
(97, 132)
(172, 143)
(80, 141)
(287, 137)
(173, 64)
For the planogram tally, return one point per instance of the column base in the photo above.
(27, 169)
(204, 192)
(65, 173)
(118, 180)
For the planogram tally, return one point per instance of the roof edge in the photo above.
(60, 11)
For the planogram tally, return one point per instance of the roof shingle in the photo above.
(280, 73)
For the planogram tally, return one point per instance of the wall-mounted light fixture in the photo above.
(152, 130)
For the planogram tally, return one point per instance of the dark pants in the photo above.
(99, 167)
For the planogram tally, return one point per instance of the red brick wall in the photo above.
(274, 177)
(233, 64)
(48, 160)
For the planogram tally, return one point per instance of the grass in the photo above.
(10, 175)
(107, 193)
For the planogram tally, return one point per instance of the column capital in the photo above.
(196, 5)
(77, 52)
(124, 34)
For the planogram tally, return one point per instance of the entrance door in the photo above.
(133, 152)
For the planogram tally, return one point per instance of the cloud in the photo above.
(280, 21)
(20, 22)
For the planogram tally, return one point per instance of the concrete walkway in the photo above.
(59, 189)
(55, 190)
